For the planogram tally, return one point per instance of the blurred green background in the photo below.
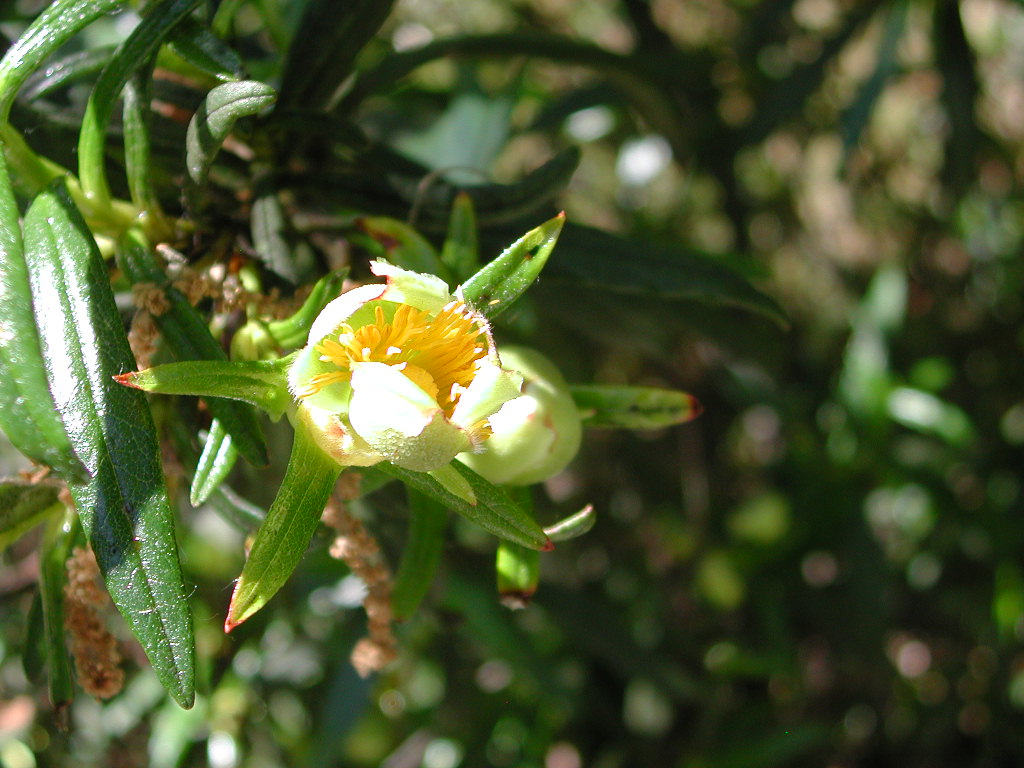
(826, 568)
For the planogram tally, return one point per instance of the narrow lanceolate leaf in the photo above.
(27, 412)
(502, 281)
(188, 337)
(403, 245)
(421, 555)
(292, 331)
(132, 54)
(572, 526)
(324, 47)
(59, 538)
(633, 407)
(518, 573)
(282, 539)
(215, 464)
(461, 251)
(202, 49)
(493, 511)
(215, 118)
(123, 506)
(137, 98)
(263, 383)
(46, 34)
(22, 507)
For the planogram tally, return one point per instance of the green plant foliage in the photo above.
(797, 220)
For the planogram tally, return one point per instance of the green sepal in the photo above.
(518, 573)
(633, 407)
(403, 246)
(461, 249)
(22, 507)
(263, 383)
(215, 464)
(285, 533)
(216, 116)
(502, 281)
(28, 414)
(572, 526)
(124, 506)
(494, 511)
(421, 555)
(292, 331)
(187, 337)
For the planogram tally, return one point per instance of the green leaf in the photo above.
(28, 414)
(215, 464)
(216, 116)
(421, 555)
(502, 281)
(494, 511)
(58, 540)
(518, 571)
(572, 526)
(291, 521)
(136, 120)
(274, 238)
(403, 245)
(202, 49)
(65, 70)
(461, 250)
(45, 35)
(22, 507)
(589, 257)
(633, 407)
(188, 337)
(324, 47)
(132, 54)
(124, 506)
(292, 331)
(263, 383)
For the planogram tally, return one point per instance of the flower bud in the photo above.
(535, 435)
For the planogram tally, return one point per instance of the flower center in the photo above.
(440, 353)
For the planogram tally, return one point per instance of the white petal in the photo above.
(491, 388)
(341, 309)
(425, 292)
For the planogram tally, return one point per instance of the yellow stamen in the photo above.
(440, 353)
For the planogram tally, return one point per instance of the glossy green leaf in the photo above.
(124, 506)
(188, 337)
(589, 257)
(518, 572)
(263, 383)
(215, 464)
(28, 414)
(65, 70)
(421, 554)
(502, 281)
(403, 245)
(62, 530)
(573, 526)
(292, 331)
(274, 238)
(216, 116)
(324, 47)
(202, 49)
(45, 35)
(132, 54)
(283, 537)
(633, 407)
(461, 250)
(494, 511)
(22, 507)
(137, 155)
